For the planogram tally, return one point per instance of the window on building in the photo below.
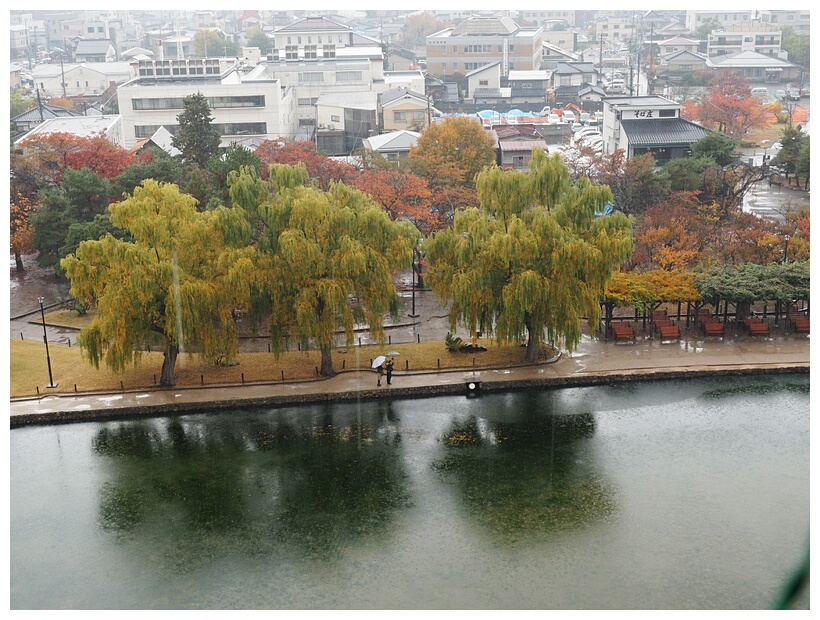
(399, 116)
(289, 41)
(348, 76)
(341, 39)
(418, 115)
(291, 52)
(298, 40)
(335, 118)
(309, 40)
(310, 52)
(666, 113)
(484, 82)
(91, 30)
(311, 77)
(329, 51)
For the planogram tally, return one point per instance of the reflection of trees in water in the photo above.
(189, 493)
(524, 479)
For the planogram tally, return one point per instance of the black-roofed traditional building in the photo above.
(650, 124)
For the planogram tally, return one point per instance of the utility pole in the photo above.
(62, 74)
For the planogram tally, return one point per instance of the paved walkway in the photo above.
(594, 363)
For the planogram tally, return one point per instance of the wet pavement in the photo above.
(595, 361)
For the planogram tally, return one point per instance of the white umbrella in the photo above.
(393, 353)
(378, 361)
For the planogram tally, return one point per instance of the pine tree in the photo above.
(196, 138)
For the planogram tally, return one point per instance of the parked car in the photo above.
(569, 116)
(761, 92)
(553, 118)
(780, 94)
(794, 95)
(583, 117)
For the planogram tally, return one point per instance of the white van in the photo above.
(761, 92)
(553, 118)
(569, 116)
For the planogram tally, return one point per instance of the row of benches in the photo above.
(711, 325)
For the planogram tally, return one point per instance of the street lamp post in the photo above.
(51, 383)
(413, 285)
(786, 249)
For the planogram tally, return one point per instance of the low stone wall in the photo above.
(483, 387)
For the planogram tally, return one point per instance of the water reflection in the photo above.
(200, 490)
(529, 477)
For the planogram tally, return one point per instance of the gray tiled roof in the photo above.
(662, 132)
(93, 46)
(314, 24)
(49, 111)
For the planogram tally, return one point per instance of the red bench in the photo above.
(759, 329)
(712, 326)
(669, 331)
(623, 332)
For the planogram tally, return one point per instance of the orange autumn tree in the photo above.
(729, 106)
(101, 156)
(22, 232)
(452, 152)
(648, 289)
(40, 161)
(403, 195)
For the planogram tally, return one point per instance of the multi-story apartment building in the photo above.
(315, 38)
(749, 37)
(247, 109)
(798, 20)
(543, 18)
(617, 28)
(695, 19)
(478, 41)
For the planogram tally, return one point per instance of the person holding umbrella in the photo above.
(378, 364)
(389, 369)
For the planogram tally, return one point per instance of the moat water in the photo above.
(674, 494)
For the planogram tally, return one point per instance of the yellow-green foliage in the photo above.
(638, 289)
(533, 259)
(168, 284)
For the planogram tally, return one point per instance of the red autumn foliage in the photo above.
(322, 170)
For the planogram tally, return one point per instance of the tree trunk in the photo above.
(168, 363)
(327, 362)
(742, 310)
(532, 341)
(18, 260)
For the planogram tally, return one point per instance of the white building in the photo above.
(247, 109)
(83, 126)
(649, 124)
(695, 19)
(85, 79)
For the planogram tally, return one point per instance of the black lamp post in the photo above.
(413, 285)
(51, 383)
(786, 249)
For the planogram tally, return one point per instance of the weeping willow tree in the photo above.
(313, 262)
(167, 283)
(533, 259)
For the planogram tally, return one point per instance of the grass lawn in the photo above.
(29, 369)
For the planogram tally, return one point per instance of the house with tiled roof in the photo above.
(394, 145)
(754, 67)
(483, 78)
(402, 108)
(95, 50)
(28, 120)
(648, 124)
(674, 65)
